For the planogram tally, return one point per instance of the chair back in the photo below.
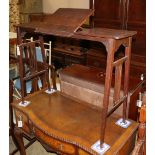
(48, 50)
(30, 68)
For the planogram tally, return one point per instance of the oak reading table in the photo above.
(56, 117)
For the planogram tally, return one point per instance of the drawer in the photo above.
(58, 145)
(74, 60)
(96, 62)
(21, 116)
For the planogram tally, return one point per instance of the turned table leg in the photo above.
(19, 137)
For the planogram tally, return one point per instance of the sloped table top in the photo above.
(64, 22)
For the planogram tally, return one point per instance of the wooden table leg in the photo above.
(126, 79)
(19, 138)
(108, 78)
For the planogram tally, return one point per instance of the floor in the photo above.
(35, 149)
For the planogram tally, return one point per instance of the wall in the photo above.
(13, 15)
(50, 6)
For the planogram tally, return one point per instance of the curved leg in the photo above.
(19, 138)
(14, 139)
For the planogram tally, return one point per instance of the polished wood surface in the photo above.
(106, 33)
(140, 147)
(55, 24)
(93, 75)
(64, 124)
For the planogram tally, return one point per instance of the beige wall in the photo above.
(49, 6)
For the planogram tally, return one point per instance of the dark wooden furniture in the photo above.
(113, 39)
(67, 54)
(30, 69)
(140, 147)
(110, 38)
(128, 15)
(63, 54)
(73, 126)
(119, 14)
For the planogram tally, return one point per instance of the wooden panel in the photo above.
(137, 10)
(108, 13)
(130, 15)
(96, 58)
(137, 21)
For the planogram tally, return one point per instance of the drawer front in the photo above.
(59, 58)
(58, 145)
(22, 117)
(81, 152)
(96, 62)
(74, 60)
